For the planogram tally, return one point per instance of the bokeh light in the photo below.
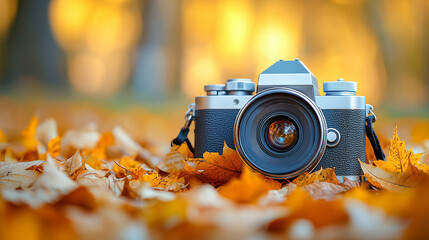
(99, 38)
(7, 14)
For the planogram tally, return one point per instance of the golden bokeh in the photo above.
(7, 14)
(99, 38)
(222, 39)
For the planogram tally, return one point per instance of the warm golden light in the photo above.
(99, 38)
(199, 70)
(7, 14)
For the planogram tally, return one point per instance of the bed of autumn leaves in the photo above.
(91, 185)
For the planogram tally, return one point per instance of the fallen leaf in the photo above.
(395, 181)
(6, 155)
(80, 197)
(54, 148)
(320, 213)
(29, 134)
(46, 131)
(16, 175)
(214, 168)
(128, 166)
(3, 137)
(74, 165)
(130, 147)
(101, 179)
(53, 182)
(107, 139)
(85, 139)
(166, 215)
(399, 157)
(324, 190)
(322, 175)
(174, 160)
(249, 187)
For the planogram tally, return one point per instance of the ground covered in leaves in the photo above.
(88, 184)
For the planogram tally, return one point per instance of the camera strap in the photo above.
(373, 139)
(182, 137)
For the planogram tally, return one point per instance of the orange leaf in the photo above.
(214, 168)
(28, 134)
(128, 165)
(249, 187)
(395, 181)
(322, 175)
(3, 137)
(320, 212)
(54, 148)
(80, 197)
(399, 157)
(173, 182)
(106, 140)
(174, 159)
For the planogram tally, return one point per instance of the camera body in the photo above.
(286, 128)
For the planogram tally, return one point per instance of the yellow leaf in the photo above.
(3, 137)
(54, 148)
(28, 134)
(399, 157)
(107, 139)
(92, 161)
(128, 165)
(249, 187)
(319, 212)
(166, 214)
(172, 182)
(322, 175)
(214, 168)
(175, 158)
(395, 181)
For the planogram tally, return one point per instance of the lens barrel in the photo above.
(280, 133)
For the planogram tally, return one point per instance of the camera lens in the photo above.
(282, 134)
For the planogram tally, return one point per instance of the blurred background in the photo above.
(158, 54)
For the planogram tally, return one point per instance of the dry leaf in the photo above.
(53, 182)
(46, 131)
(175, 158)
(107, 139)
(73, 140)
(399, 157)
(101, 180)
(16, 175)
(249, 187)
(29, 135)
(3, 137)
(322, 175)
(214, 168)
(128, 166)
(54, 148)
(319, 212)
(395, 181)
(130, 147)
(74, 165)
(79, 197)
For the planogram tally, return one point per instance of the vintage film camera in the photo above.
(286, 128)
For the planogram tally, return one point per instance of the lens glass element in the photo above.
(282, 134)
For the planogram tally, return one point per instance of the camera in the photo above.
(287, 127)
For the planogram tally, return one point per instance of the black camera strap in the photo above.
(183, 134)
(373, 139)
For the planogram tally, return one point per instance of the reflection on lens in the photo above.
(282, 134)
